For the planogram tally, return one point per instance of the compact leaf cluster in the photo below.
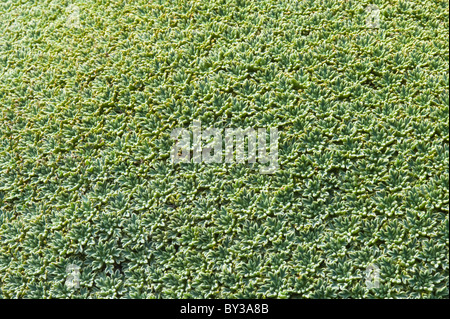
(89, 97)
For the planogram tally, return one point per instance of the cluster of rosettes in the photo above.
(86, 180)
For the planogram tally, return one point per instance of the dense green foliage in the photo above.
(86, 111)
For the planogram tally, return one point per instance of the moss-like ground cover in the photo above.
(89, 94)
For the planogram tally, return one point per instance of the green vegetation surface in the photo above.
(91, 90)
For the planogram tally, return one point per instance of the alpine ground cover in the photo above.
(91, 90)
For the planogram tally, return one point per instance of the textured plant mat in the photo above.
(91, 205)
